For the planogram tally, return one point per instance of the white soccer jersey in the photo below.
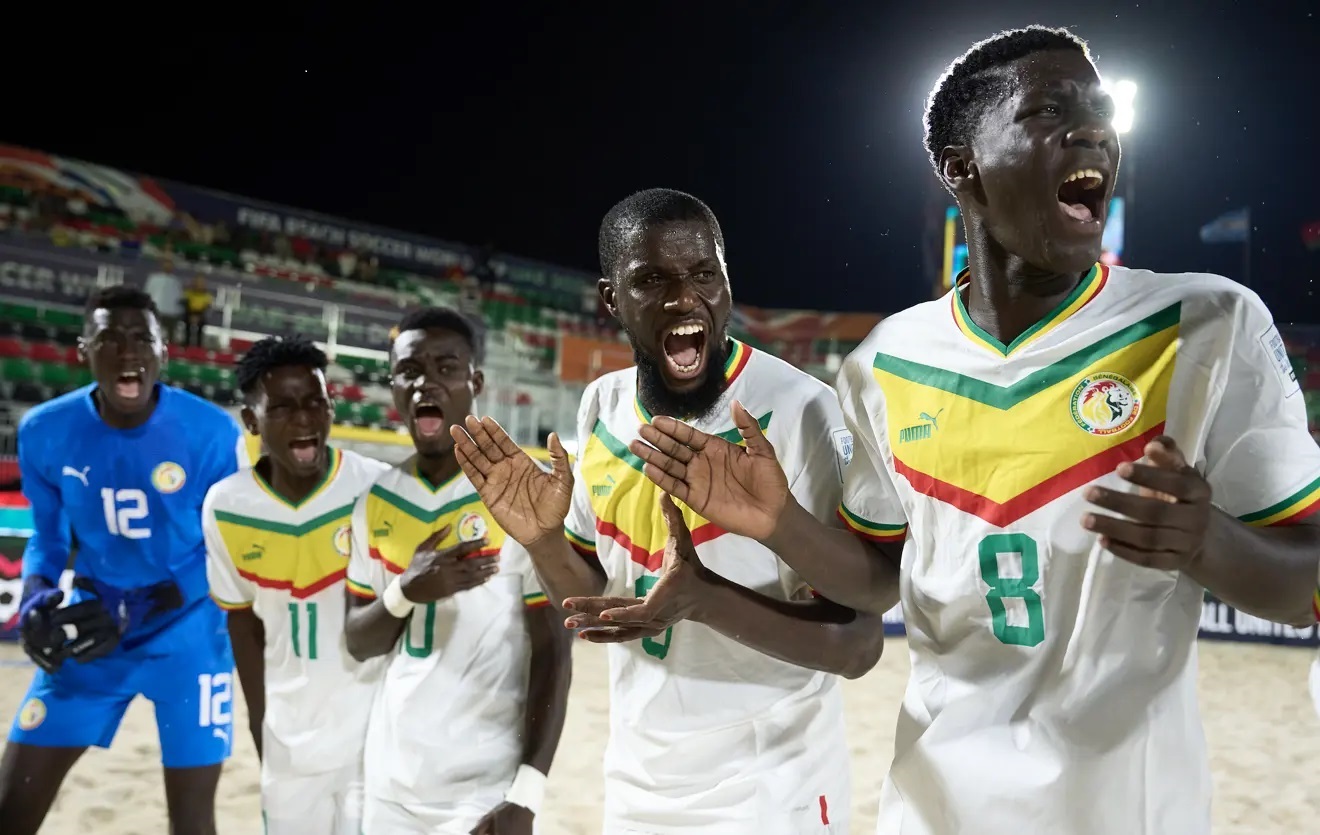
(1053, 684)
(287, 562)
(447, 724)
(707, 735)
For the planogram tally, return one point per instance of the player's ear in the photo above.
(478, 383)
(605, 288)
(249, 419)
(956, 168)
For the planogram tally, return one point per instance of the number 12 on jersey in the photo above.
(122, 509)
(1012, 588)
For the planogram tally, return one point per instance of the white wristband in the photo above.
(528, 789)
(395, 603)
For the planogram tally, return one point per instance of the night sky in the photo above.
(800, 126)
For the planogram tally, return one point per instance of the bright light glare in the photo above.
(1124, 94)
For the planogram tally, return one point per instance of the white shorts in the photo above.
(299, 804)
(800, 784)
(1315, 684)
(383, 817)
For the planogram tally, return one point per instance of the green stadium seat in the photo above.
(64, 319)
(181, 372)
(346, 412)
(17, 370)
(372, 414)
(56, 375)
(82, 376)
(209, 375)
(24, 314)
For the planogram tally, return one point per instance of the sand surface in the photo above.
(1263, 731)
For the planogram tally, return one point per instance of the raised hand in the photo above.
(741, 489)
(434, 575)
(676, 595)
(1167, 517)
(526, 501)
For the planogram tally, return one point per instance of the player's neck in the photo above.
(117, 420)
(436, 469)
(1005, 295)
(294, 489)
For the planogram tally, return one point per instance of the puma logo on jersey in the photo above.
(921, 431)
(255, 554)
(603, 490)
(385, 529)
(81, 475)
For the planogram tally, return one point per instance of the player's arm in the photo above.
(856, 566)
(1242, 524)
(247, 634)
(568, 566)
(816, 634)
(47, 552)
(370, 630)
(549, 674)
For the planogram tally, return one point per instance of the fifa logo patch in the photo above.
(1105, 404)
(168, 477)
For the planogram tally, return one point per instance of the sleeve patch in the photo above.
(231, 607)
(1272, 343)
(360, 590)
(535, 600)
(843, 450)
(873, 531)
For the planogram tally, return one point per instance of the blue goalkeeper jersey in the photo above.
(132, 498)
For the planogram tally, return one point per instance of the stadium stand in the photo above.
(58, 241)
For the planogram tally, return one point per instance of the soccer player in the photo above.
(122, 465)
(277, 540)
(1064, 455)
(731, 723)
(467, 720)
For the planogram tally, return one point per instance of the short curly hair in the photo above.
(118, 297)
(969, 85)
(276, 352)
(645, 208)
(443, 318)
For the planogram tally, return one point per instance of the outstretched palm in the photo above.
(525, 500)
(741, 489)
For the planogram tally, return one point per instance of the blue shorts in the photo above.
(185, 670)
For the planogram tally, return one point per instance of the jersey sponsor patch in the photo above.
(843, 449)
(1105, 404)
(1272, 343)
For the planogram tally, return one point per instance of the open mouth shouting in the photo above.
(305, 448)
(1082, 197)
(131, 384)
(684, 347)
(428, 420)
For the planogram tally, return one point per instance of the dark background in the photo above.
(800, 123)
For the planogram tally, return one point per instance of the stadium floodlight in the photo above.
(1124, 93)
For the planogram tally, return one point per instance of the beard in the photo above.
(694, 405)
